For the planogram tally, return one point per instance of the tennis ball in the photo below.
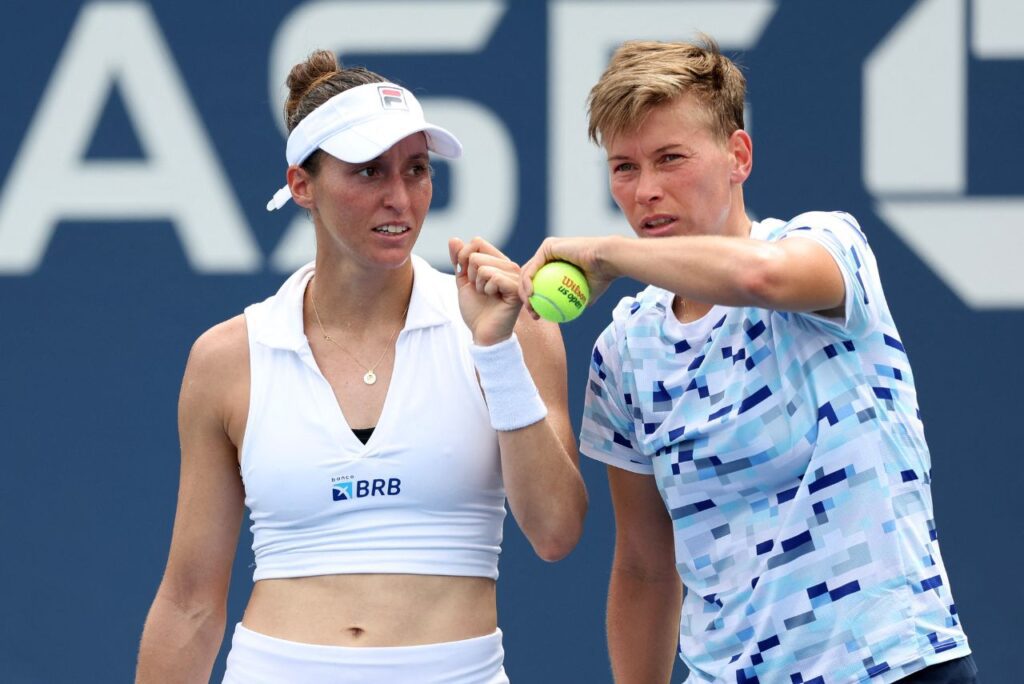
(560, 291)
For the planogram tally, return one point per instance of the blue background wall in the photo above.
(94, 337)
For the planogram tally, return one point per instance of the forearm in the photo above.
(179, 644)
(526, 398)
(784, 275)
(544, 487)
(643, 626)
(717, 270)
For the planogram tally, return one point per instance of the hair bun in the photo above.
(316, 80)
(304, 76)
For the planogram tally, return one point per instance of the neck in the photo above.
(689, 310)
(738, 222)
(366, 298)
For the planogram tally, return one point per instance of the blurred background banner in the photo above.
(140, 142)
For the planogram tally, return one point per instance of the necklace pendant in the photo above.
(370, 377)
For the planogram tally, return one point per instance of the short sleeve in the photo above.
(839, 233)
(607, 434)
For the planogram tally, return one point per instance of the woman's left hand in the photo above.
(488, 283)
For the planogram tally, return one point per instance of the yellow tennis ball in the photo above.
(560, 291)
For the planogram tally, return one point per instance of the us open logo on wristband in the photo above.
(346, 487)
(391, 98)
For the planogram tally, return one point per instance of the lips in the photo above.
(392, 229)
(658, 225)
(657, 221)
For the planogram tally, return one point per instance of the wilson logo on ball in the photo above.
(573, 289)
(560, 292)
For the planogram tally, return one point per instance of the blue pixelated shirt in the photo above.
(790, 454)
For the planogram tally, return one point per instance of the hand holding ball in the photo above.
(560, 292)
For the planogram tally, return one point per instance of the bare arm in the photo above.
(645, 593)
(787, 275)
(539, 462)
(185, 625)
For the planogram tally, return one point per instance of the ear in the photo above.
(301, 184)
(741, 147)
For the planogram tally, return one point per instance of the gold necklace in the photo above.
(370, 377)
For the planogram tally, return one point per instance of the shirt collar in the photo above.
(282, 327)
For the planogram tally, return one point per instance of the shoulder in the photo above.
(219, 358)
(223, 343)
(215, 388)
(838, 222)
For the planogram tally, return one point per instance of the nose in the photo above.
(648, 188)
(396, 194)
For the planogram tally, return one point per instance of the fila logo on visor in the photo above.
(391, 98)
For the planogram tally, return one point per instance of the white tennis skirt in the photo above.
(260, 659)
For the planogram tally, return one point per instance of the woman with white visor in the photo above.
(373, 415)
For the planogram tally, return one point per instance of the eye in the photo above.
(670, 157)
(368, 172)
(624, 167)
(420, 169)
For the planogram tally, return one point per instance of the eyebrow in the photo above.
(663, 148)
(415, 157)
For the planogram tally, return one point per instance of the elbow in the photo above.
(558, 542)
(552, 519)
(191, 602)
(556, 548)
(194, 610)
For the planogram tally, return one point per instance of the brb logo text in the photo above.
(346, 488)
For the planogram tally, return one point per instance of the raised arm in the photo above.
(787, 275)
(645, 592)
(185, 625)
(539, 460)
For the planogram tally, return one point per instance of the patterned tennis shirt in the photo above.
(790, 454)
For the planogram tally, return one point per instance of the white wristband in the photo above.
(512, 398)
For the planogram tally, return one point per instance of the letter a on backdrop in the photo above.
(178, 179)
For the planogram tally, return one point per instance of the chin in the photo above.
(393, 260)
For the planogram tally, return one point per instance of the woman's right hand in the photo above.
(488, 283)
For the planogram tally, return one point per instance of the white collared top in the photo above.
(424, 495)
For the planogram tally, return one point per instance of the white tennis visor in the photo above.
(361, 124)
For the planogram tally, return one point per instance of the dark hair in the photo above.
(315, 81)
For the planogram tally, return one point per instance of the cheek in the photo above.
(424, 193)
(347, 208)
(621, 192)
(707, 186)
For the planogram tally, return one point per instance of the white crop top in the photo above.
(424, 495)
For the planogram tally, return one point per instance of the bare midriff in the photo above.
(373, 610)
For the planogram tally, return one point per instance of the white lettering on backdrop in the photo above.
(180, 177)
